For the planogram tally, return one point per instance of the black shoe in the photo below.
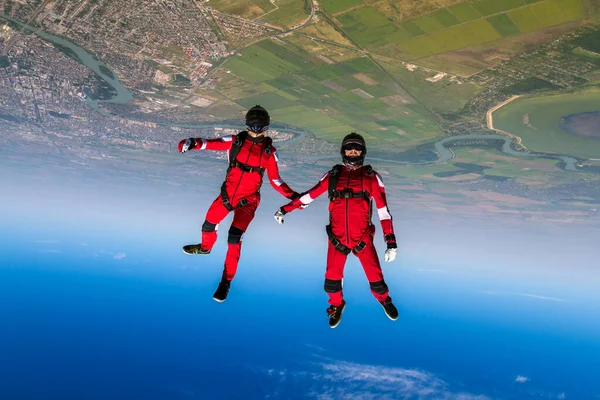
(222, 291)
(390, 309)
(335, 314)
(194, 249)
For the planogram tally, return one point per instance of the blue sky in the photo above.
(97, 293)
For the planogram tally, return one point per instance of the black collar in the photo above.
(256, 139)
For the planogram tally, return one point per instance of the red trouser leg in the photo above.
(242, 216)
(370, 263)
(215, 214)
(334, 275)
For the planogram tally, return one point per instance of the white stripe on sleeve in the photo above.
(306, 199)
(379, 180)
(383, 213)
(227, 138)
(278, 182)
(276, 157)
(203, 145)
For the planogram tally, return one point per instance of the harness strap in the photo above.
(340, 247)
(225, 199)
(246, 167)
(349, 194)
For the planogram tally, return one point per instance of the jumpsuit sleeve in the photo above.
(378, 194)
(221, 144)
(274, 178)
(307, 197)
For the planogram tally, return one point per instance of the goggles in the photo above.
(257, 128)
(353, 146)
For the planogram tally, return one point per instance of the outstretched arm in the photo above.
(378, 194)
(305, 199)
(223, 144)
(276, 181)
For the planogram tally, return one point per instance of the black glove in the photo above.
(187, 144)
(295, 195)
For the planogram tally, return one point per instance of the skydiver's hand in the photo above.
(279, 215)
(186, 144)
(391, 252)
(298, 195)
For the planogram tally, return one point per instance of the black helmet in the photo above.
(257, 119)
(353, 138)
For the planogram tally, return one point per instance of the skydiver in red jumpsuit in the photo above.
(352, 187)
(250, 154)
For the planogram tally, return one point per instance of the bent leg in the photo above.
(215, 214)
(370, 262)
(242, 216)
(334, 275)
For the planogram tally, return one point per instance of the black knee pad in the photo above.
(235, 235)
(333, 286)
(379, 287)
(208, 227)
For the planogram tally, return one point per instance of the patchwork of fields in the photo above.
(363, 66)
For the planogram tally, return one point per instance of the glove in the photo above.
(391, 252)
(187, 144)
(294, 196)
(279, 215)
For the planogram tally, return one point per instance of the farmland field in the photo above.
(333, 6)
(244, 8)
(503, 25)
(537, 120)
(464, 12)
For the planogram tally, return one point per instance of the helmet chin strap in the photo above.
(348, 162)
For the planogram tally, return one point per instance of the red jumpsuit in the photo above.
(242, 188)
(350, 224)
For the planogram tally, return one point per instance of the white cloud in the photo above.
(521, 379)
(530, 295)
(119, 256)
(333, 380)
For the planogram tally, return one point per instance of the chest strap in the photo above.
(246, 167)
(349, 194)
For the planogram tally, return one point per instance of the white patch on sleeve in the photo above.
(324, 176)
(379, 180)
(227, 138)
(278, 182)
(306, 199)
(276, 157)
(203, 145)
(383, 213)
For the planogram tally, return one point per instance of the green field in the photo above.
(503, 25)
(370, 28)
(333, 6)
(544, 115)
(330, 100)
(464, 12)
(524, 19)
(489, 7)
(289, 13)
(445, 18)
(428, 23)
(412, 28)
